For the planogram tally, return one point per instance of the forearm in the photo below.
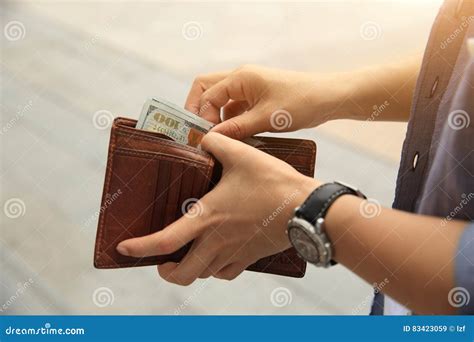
(414, 253)
(378, 93)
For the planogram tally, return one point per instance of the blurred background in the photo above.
(64, 64)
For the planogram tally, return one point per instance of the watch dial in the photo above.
(304, 245)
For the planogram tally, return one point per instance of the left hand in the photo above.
(241, 220)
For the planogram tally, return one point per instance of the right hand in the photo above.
(256, 99)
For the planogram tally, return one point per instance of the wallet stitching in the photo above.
(131, 132)
(139, 262)
(128, 132)
(113, 151)
(159, 156)
(106, 188)
(118, 151)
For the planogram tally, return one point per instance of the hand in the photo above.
(241, 220)
(256, 99)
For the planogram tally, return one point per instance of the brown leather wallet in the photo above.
(149, 177)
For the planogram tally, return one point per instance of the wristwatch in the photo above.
(306, 229)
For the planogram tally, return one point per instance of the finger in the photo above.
(210, 113)
(199, 86)
(234, 108)
(166, 270)
(230, 88)
(216, 265)
(166, 241)
(231, 271)
(196, 261)
(241, 126)
(206, 273)
(225, 149)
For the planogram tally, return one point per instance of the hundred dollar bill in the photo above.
(173, 109)
(175, 124)
(159, 115)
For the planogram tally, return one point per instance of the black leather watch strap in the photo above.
(319, 201)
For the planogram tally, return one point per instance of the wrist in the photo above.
(338, 100)
(339, 219)
(352, 95)
(308, 230)
(304, 186)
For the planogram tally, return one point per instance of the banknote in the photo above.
(162, 116)
(169, 106)
(173, 122)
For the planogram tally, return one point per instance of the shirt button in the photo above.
(434, 87)
(415, 160)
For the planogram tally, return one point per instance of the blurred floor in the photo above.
(77, 58)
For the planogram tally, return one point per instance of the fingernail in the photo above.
(122, 250)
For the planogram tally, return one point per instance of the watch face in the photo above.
(304, 245)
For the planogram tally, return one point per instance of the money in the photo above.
(163, 117)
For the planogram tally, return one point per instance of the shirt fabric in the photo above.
(436, 175)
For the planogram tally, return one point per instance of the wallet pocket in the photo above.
(148, 181)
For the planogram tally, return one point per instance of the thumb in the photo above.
(166, 241)
(241, 126)
(225, 149)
